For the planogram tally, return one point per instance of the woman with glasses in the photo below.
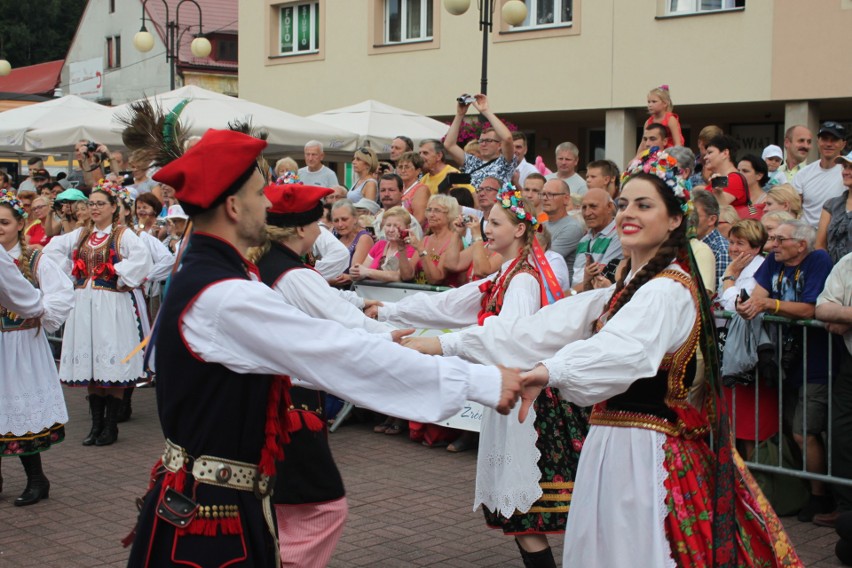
(835, 224)
(415, 194)
(36, 235)
(365, 164)
(441, 212)
(356, 239)
(106, 262)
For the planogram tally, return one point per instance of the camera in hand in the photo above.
(465, 99)
(743, 295)
(126, 178)
(403, 234)
(91, 147)
(719, 182)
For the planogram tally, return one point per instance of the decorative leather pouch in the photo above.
(176, 508)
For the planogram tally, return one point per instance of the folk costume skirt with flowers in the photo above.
(103, 329)
(32, 408)
(656, 502)
(561, 428)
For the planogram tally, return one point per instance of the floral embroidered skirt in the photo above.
(561, 428)
(11, 445)
(759, 539)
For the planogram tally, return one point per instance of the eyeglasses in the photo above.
(779, 240)
(436, 210)
(97, 204)
(488, 141)
(400, 167)
(547, 195)
(482, 188)
(363, 150)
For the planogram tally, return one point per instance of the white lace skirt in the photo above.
(507, 473)
(30, 394)
(618, 508)
(103, 329)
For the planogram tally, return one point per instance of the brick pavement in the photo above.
(409, 505)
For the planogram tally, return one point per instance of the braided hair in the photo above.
(675, 247)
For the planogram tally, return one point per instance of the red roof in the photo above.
(33, 79)
(219, 16)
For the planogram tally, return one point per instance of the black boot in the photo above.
(126, 410)
(38, 487)
(110, 432)
(540, 559)
(97, 405)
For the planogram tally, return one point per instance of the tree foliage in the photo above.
(36, 31)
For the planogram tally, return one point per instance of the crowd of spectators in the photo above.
(779, 230)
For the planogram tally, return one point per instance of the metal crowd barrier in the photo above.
(754, 462)
(393, 291)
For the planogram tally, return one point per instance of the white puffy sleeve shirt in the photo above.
(459, 307)
(58, 294)
(333, 257)
(16, 293)
(248, 328)
(308, 291)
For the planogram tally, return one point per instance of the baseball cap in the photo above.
(833, 129)
(772, 151)
(844, 159)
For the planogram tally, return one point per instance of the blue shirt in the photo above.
(802, 283)
(719, 245)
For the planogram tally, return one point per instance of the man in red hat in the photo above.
(310, 502)
(223, 346)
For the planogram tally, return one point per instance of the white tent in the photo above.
(15, 123)
(377, 124)
(206, 109)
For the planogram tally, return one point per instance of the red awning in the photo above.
(34, 79)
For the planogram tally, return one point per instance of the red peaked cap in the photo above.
(209, 168)
(294, 204)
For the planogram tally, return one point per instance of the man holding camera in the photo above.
(788, 285)
(496, 150)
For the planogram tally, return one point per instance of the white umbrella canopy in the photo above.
(15, 123)
(377, 124)
(206, 109)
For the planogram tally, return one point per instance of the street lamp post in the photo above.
(200, 46)
(514, 12)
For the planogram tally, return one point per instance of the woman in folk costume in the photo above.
(32, 408)
(525, 471)
(163, 261)
(650, 489)
(310, 502)
(106, 262)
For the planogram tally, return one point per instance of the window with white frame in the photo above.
(299, 28)
(547, 13)
(699, 6)
(407, 20)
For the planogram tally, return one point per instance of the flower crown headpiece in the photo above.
(663, 165)
(9, 198)
(288, 178)
(115, 189)
(511, 198)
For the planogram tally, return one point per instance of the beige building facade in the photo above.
(576, 70)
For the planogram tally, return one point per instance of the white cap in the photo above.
(176, 212)
(772, 151)
(368, 204)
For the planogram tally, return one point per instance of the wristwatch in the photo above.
(423, 253)
(731, 278)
